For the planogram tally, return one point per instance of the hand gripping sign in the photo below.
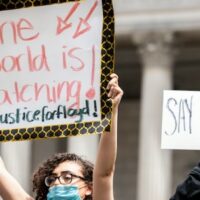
(55, 64)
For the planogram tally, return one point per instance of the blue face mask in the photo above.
(63, 192)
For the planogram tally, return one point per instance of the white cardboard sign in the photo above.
(181, 120)
(50, 64)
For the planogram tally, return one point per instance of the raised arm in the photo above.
(10, 189)
(106, 157)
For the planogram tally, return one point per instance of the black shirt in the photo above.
(190, 188)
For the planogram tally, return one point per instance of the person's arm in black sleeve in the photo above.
(190, 188)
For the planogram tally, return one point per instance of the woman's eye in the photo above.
(52, 179)
(67, 178)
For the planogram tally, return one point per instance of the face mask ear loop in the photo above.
(83, 187)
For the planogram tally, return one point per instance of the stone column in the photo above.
(17, 158)
(154, 169)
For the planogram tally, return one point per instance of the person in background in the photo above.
(70, 177)
(190, 188)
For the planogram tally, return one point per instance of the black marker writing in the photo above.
(181, 115)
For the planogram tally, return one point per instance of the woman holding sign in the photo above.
(68, 176)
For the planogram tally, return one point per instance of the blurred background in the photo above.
(157, 48)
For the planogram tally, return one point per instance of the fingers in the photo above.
(113, 81)
(112, 90)
(115, 92)
(114, 76)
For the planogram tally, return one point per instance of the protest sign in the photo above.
(180, 121)
(55, 64)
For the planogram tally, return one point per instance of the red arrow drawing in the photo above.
(84, 26)
(63, 23)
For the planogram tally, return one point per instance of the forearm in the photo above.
(10, 189)
(107, 153)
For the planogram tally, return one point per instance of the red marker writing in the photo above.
(90, 94)
(63, 23)
(84, 26)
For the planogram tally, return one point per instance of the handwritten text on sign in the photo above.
(181, 120)
(50, 64)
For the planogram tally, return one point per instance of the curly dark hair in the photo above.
(46, 169)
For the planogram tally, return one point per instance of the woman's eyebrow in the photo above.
(54, 174)
(69, 172)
